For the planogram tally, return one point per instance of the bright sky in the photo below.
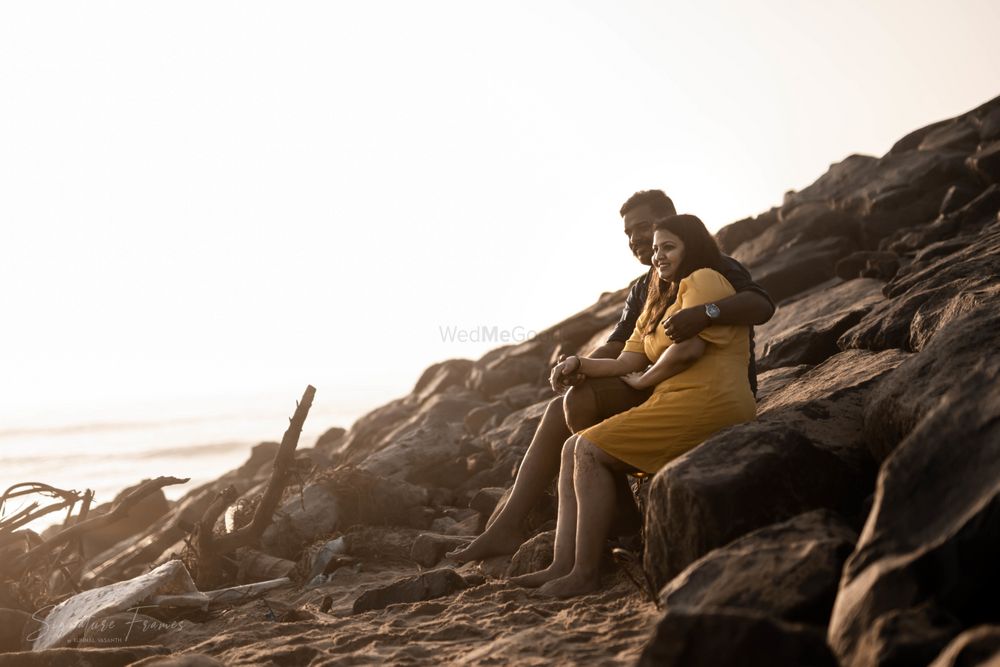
(218, 199)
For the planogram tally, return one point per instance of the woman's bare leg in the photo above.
(565, 542)
(594, 486)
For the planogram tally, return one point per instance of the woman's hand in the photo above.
(566, 373)
(635, 380)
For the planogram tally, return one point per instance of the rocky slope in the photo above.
(855, 522)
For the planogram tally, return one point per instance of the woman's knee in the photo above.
(569, 450)
(580, 407)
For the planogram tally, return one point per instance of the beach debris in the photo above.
(429, 548)
(256, 566)
(210, 548)
(67, 620)
(222, 597)
(426, 586)
(322, 558)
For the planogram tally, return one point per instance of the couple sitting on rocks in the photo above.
(677, 368)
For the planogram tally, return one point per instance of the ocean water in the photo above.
(108, 450)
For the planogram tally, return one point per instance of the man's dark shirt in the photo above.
(734, 272)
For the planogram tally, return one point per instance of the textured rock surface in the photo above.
(727, 638)
(933, 535)
(978, 647)
(805, 330)
(426, 586)
(788, 570)
(804, 452)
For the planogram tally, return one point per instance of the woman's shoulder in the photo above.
(706, 276)
(707, 281)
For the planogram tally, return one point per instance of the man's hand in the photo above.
(686, 323)
(635, 380)
(566, 374)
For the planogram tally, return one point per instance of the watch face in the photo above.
(712, 310)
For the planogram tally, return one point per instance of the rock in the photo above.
(805, 451)
(932, 540)
(381, 543)
(978, 646)
(733, 235)
(949, 363)
(839, 181)
(771, 381)
(535, 554)
(485, 415)
(730, 638)
(801, 250)
(877, 264)
(486, 500)
(140, 516)
(441, 376)
(330, 438)
(986, 163)
(806, 330)
(960, 226)
(805, 554)
(183, 660)
(906, 190)
(956, 197)
(960, 133)
(494, 377)
(262, 454)
(903, 637)
(430, 447)
(81, 657)
(921, 301)
(429, 585)
(13, 629)
(429, 548)
(299, 520)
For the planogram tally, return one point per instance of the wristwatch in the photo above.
(712, 311)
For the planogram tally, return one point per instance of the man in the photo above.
(590, 402)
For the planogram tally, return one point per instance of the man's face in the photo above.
(639, 230)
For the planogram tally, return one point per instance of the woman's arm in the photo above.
(676, 358)
(626, 362)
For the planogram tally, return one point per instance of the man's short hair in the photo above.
(658, 202)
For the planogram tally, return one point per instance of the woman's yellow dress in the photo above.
(687, 408)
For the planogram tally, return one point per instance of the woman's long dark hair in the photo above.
(700, 252)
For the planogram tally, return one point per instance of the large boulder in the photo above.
(733, 638)
(805, 330)
(947, 365)
(801, 250)
(805, 451)
(927, 297)
(788, 570)
(932, 541)
(733, 235)
(978, 647)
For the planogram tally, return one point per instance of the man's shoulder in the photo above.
(727, 263)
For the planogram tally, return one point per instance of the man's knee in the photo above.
(580, 407)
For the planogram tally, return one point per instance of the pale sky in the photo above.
(221, 199)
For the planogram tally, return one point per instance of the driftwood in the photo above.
(221, 597)
(211, 548)
(31, 512)
(119, 511)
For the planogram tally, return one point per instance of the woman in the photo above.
(700, 385)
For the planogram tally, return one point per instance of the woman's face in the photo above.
(668, 253)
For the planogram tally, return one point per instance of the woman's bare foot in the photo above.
(571, 585)
(536, 579)
(493, 542)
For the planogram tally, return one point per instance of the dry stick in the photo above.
(119, 511)
(210, 547)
